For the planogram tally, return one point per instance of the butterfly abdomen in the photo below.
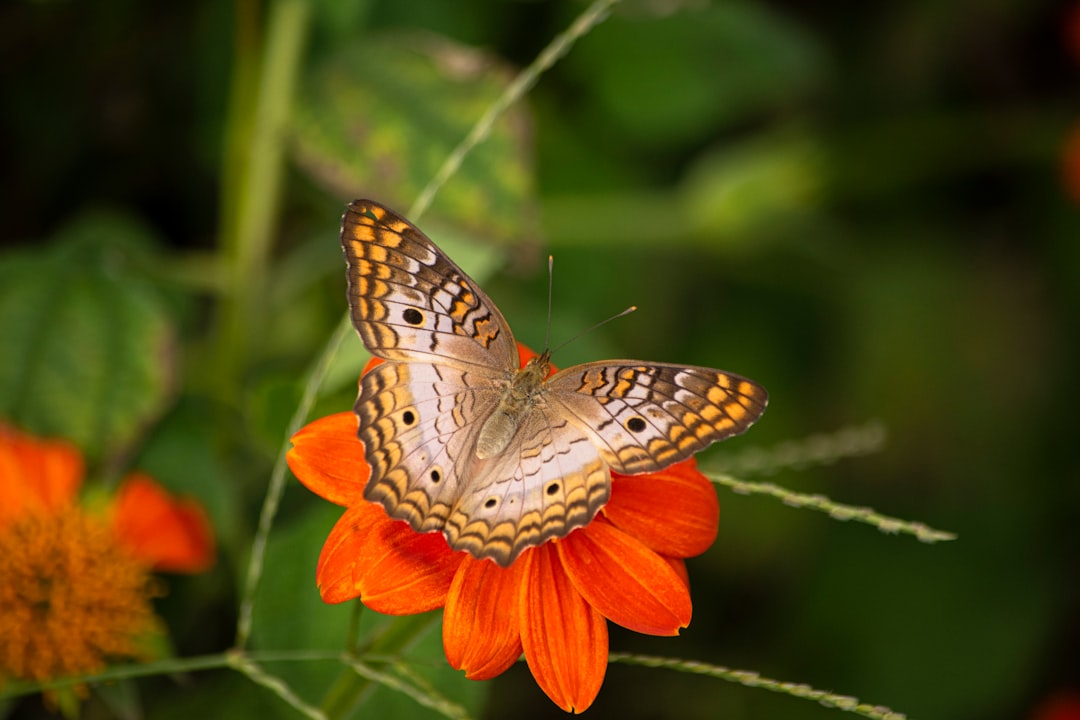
(517, 401)
(496, 433)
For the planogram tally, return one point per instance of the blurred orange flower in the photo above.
(75, 585)
(1070, 163)
(1070, 155)
(552, 603)
(1062, 705)
(1072, 31)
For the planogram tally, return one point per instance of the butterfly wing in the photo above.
(548, 482)
(409, 301)
(646, 416)
(419, 423)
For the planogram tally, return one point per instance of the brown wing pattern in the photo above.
(410, 302)
(645, 416)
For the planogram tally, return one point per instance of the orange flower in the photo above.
(166, 534)
(75, 586)
(552, 603)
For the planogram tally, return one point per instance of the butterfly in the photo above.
(500, 458)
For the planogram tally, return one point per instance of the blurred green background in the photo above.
(864, 207)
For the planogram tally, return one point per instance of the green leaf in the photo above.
(289, 614)
(682, 77)
(767, 185)
(88, 346)
(379, 118)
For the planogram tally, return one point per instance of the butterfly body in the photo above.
(501, 458)
(517, 401)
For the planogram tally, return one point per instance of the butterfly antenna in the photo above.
(625, 312)
(551, 273)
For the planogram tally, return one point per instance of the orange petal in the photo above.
(480, 623)
(675, 511)
(36, 474)
(337, 574)
(165, 533)
(564, 639)
(328, 458)
(370, 364)
(624, 580)
(679, 566)
(526, 353)
(391, 568)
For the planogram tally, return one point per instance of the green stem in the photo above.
(837, 511)
(352, 636)
(593, 15)
(753, 679)
(252, 182)
(276, 488)
(350, 688)
(261, 95)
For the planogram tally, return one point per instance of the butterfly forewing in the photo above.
(646, 416)
(410, 302)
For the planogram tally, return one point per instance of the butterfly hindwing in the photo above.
(419, 423)
(410, 302)
(550, 481)
(646, 416)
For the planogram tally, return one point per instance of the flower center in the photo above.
(71, 598)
